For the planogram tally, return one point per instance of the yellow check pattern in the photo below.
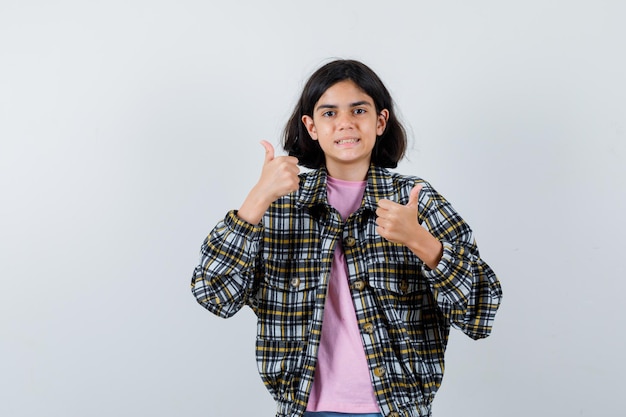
(280, 268)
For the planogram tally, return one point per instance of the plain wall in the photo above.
(129, 128)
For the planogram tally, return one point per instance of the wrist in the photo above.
(428, 248)
(253, 208)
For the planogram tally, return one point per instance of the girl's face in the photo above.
(346, 124)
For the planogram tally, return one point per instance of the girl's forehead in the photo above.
(345, 89)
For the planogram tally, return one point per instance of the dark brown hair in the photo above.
(390, 146)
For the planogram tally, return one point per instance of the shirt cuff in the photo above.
(240, 226)
(443, 267)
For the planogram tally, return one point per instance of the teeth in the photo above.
(341, 142)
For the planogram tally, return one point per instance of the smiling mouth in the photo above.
(346, 141)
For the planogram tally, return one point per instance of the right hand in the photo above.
(279, 177)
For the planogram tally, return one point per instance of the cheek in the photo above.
(324, 131)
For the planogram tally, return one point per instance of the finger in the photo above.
(291, 161)
(294, 160)
(386, 213)
(414, 196)
(385, 204)
(269, 151)
(381, 222)
(382, 232)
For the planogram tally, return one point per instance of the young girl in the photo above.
(355, 273)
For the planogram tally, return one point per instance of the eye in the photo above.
(328, 113)
(359, 111)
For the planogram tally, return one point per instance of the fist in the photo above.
(279, 176)
(396, 222)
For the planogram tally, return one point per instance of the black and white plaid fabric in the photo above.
(280, 268)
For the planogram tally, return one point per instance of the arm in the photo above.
(466, 289)
(224, 279)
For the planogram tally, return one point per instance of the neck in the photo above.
(348, 173)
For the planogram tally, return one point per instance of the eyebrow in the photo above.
(334, 106)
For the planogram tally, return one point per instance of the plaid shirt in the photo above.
(281, 267)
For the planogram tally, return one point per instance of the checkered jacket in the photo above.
(281, 268)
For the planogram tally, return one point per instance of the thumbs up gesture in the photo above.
(398, 224)
(279, 177)
(280, 174)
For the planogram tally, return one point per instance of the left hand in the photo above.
(396, 222)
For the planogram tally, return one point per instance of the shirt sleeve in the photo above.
(224, 278)
(467, 290)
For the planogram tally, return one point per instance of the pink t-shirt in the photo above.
(342, 380)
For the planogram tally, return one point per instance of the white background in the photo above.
(128, 129)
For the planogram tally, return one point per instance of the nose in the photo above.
(344, 120)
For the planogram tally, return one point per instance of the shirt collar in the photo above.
(313, 189)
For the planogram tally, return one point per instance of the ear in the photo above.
(310, 126)
(381, 124)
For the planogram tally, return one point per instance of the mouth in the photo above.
(347, 141)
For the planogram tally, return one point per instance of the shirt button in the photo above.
(358, 285)
(294, 282)
(368, 328)
(393, 414)
(404, 285)
(349, 242)
(379, 372)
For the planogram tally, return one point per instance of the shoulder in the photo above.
(404, 180)
(403, 184)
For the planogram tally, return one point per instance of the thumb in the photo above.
(269, 150)
(414, 195)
